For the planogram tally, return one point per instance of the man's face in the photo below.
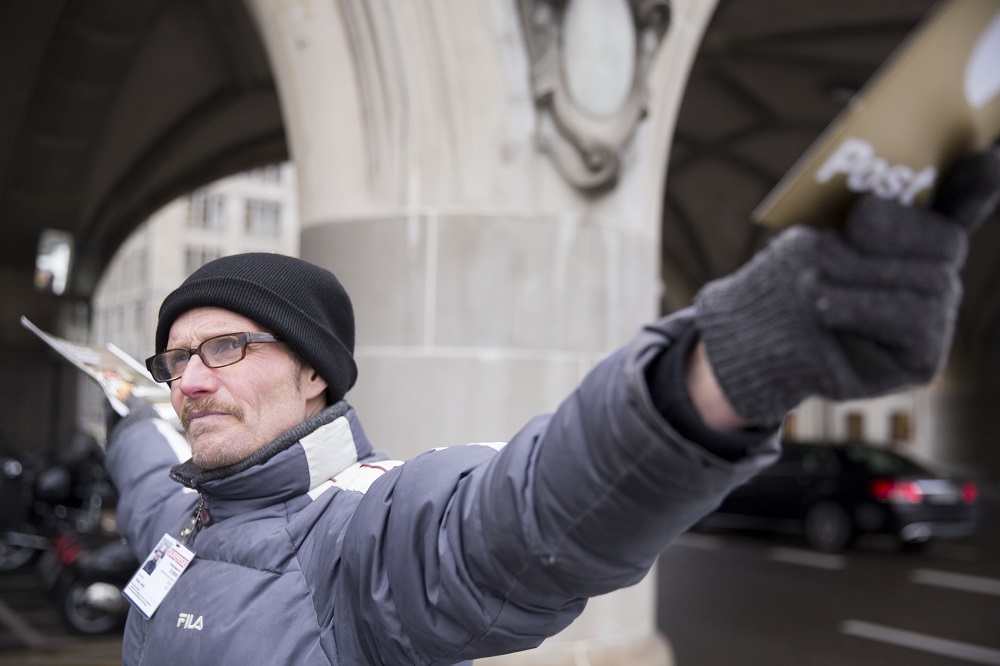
(231, 412)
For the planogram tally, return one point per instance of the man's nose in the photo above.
(196, 378)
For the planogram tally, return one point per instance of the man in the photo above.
(150, 565)
(310, 548)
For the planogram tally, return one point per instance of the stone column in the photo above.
(485, 178)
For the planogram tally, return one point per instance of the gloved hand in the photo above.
(851, 314)
(139, 410)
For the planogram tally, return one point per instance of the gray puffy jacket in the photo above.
(317, 551)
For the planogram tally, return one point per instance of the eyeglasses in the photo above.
(217, 352)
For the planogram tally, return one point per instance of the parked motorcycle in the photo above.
(86, 574)
(27, 525)
(64, 513)
(15, 495)
(44, 500)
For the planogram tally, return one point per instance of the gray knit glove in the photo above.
(847, 315)
(138, 410)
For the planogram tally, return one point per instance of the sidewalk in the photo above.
(89, 652)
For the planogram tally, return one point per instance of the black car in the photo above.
(834, 492)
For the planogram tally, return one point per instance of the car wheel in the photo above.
(829, 527)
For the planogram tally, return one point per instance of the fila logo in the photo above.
(188, 621)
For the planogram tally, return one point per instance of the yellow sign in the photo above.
(937, 97)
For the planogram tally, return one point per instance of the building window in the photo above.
(268, 174)
(55, 250)
(855, 426)
(196, 257)
(263, 218)
(900, 426)
(207, 211)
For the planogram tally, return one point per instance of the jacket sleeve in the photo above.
(139, 457)
(458, 554)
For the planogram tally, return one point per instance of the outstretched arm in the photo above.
(461, 553)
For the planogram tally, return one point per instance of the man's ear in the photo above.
(312, 384)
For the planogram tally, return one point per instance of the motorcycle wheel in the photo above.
(82, 616)
(14, 557)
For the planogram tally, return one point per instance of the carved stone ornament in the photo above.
(589, 65)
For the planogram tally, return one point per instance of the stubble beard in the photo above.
(211, 454)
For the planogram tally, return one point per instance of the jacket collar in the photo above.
(291, 465)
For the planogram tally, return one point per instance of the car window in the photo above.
(807, 459)
(881, 461)
(820, 461)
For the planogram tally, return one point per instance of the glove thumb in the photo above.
(971, 191)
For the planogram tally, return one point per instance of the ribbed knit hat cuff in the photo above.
(761, 374)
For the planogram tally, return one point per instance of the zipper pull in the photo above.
(199, 518)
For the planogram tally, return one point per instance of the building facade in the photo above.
(253, 211)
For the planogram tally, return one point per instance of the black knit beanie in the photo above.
(305, 305)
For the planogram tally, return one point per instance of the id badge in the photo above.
(149, 586)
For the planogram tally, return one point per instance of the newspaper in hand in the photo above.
(118, 374)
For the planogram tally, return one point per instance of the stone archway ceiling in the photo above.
(111, 109)
(769, 78)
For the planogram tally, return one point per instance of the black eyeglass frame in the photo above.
(245, 339)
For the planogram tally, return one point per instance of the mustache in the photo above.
(209, 404)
